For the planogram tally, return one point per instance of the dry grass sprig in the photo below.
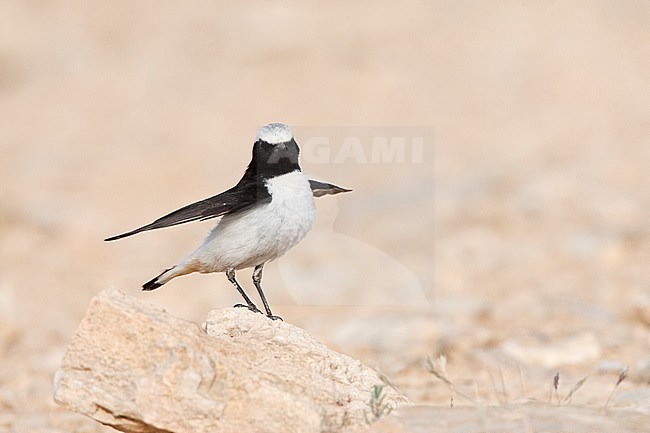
(622, 375)
(438, 368)
(576, 387)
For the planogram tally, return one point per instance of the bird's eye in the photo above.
(263, 144)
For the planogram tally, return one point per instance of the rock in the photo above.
(635, 398)
(136, 368)
(641, 373)
(641, 308)
(574, 349)
(10, 332)
(510, 419)
(608, 366)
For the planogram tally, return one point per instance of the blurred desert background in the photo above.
(516, 244)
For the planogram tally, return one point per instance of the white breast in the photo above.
(263, 233)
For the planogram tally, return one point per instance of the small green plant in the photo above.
(376, 405)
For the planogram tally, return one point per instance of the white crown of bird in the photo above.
(275, 133)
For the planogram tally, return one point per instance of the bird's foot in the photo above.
(272, 317)
(251, 307)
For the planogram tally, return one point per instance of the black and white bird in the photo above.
(267, 213)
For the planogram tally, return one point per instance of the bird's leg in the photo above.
(257, 280)
(230, 273)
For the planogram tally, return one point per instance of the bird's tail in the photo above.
(164, 277)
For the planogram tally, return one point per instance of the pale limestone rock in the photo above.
(134, 367)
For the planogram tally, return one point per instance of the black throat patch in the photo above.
(271, 160)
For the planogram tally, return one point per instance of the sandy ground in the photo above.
(510, 235)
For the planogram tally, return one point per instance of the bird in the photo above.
(263, 216)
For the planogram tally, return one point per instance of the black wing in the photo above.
(321, 188)
(246, 193)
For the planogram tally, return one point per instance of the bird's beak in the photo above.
(282, 151)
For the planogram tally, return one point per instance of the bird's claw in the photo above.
(251, 307)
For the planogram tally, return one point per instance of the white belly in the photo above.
(264, 232)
